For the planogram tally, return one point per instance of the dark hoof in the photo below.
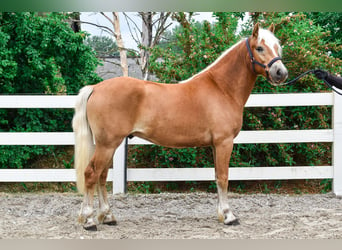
(92, 228)
(235, 222)
(111, 223)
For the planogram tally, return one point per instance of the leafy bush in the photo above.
(194, 46)
(40, 55)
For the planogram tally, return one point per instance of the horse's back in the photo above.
(119, 86)
(114, 105)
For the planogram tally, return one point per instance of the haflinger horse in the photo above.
(205, 110)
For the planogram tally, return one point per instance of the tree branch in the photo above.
(161, 27)
(136, 39)
(136, 26)
(105, 28)
(108, 18)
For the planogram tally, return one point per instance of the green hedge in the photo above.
(39, 55)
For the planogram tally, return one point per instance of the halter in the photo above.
(265, 67)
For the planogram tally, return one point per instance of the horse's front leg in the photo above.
(222, 153)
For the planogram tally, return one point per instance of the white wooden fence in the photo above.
(120, 175)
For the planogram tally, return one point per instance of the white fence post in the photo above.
(119, 169)
(337, 145)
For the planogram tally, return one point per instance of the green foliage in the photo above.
(161, 157)
(330, 22)
(306, 45)
(196, 46)
(40, 55)
(327, 185)
(103, 45)
(68, 164)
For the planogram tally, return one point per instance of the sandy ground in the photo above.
(174, 216)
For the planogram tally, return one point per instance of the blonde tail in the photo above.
(84, 146)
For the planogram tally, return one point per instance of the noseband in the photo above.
(266, 67)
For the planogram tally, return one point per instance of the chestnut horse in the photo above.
(205, 110)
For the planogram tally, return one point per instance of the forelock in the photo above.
(270, 39)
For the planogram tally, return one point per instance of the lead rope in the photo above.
(293, 81)
(333, 82)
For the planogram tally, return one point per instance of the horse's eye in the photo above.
(259, 49)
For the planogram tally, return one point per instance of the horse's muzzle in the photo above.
(278, 73)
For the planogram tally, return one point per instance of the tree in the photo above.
(153, 26)
(40, 55)
(117, 34)
(103, 45)
(146, 42)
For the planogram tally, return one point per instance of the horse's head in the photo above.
(265, 53)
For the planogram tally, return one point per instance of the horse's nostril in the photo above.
(279, 74)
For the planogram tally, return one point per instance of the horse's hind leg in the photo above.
(222, 156)
(105, 215)
(86, 214)
(99, 163)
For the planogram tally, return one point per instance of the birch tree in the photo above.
(146, 34)
(117, 34)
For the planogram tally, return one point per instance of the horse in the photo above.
(205, 110)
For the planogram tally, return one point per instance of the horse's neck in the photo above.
(233, 75)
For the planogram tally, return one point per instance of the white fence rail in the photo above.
(120, 175)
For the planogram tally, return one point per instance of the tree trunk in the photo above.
(146, 42)
(120, 43)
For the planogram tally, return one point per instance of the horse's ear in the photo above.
(255, 30)
(271, 28)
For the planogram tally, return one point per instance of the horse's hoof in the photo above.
(235, 222)
(107, 219)
(92, 228)
(111, 223)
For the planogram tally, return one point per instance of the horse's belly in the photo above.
(174, 136)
